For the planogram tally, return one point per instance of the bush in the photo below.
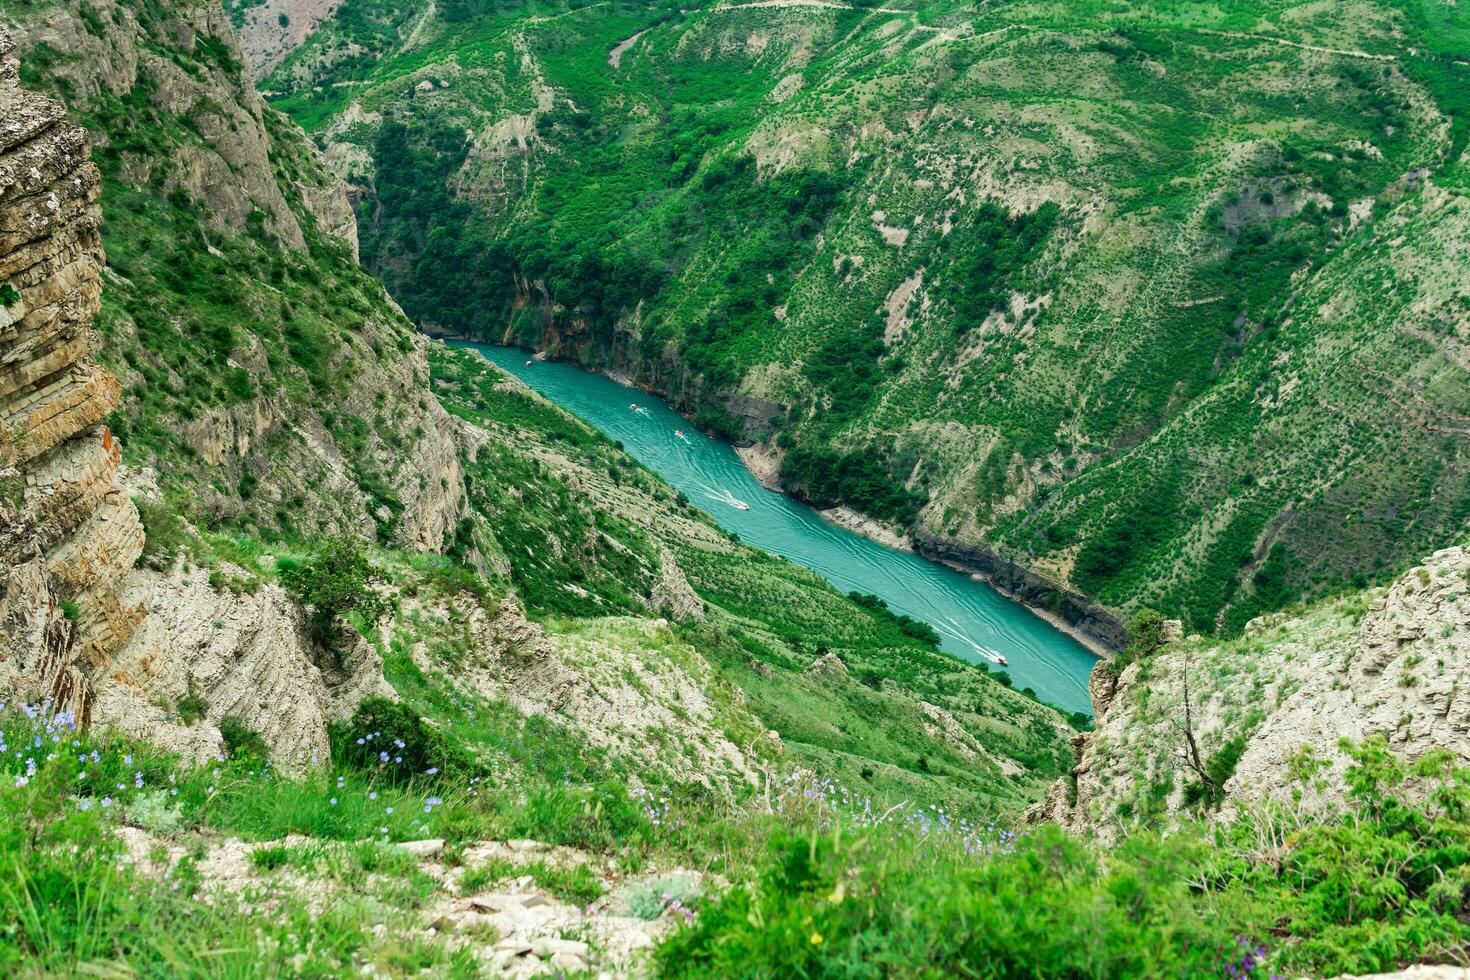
(242, 741)
(337, 581)
(648, 899)
(391, 739)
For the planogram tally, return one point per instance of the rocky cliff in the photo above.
(1269, 710)
(269, 381)
(68, 534)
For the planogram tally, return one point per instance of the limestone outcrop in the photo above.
(176, 119)
(68, 533)
(231, 653)
(1392, 662)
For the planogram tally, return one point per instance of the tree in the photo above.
(337, 581)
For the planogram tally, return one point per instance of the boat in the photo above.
(1002, 660)
(528, 364)
(739, 504)
(679, 433)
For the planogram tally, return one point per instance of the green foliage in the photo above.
(391, 741)
(867, 905)
(242, 741)
(988, 258)
(1219, 768)
(191, 707)
(336, 582)
(917, 629)
(649, 899)
(861, 478)
(1363, 891)
(9, 295)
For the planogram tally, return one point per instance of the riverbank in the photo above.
(969, 632)
(1098, 631)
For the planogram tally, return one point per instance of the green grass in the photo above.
(1167, 260)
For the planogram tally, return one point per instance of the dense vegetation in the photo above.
(1007, 272)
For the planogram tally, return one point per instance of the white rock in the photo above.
(423, 848)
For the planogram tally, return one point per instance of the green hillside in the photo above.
(1161, 298)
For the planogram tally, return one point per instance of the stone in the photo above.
(68, 542)
(568, 961)
(423, 848)
(547, 946)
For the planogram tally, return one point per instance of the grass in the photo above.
(1161, 262)
(822, 885)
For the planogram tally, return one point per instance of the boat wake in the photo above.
(955, 634)
(726, 497)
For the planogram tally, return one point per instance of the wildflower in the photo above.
(333, 801)
(432, 771)
(816, 939)
(373, 795)
(389, 811)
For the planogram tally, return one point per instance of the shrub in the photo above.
(648, 899)
(336, 581)
(391, 739)
(242, 741)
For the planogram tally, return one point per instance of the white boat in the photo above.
(1002, 660)
(739, 504)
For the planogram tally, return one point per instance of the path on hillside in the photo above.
(820, 4)
(1345, 52)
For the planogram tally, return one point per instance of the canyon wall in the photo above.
(1269, 711)
(68, 533)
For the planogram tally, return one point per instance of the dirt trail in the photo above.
(1345, 52)
(821, 4)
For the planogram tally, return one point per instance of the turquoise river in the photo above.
(976, 622)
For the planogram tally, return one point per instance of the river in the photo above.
(975, 622)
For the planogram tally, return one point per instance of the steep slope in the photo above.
(269, 382)
(1268, 712)
(282, 398)
(68, 533)
(1089, 288)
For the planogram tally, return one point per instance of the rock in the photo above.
(423, 848)
(568, 961)
(68, 534)
(546, 947)
(534, 901)
(827, 665)
(245, 654)
(672, 593)
(1396, 660)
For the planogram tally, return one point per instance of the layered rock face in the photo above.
(1393, 662)
(68, 533)
(168, 100)
(235, 654)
